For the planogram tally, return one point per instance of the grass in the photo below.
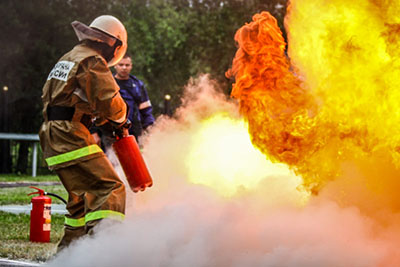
(19, 195)
(14, 228)
(25, 178)
(14, 237)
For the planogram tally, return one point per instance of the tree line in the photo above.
(169, 41)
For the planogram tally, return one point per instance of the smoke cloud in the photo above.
(178, 222)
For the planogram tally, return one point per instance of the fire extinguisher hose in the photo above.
(55, 195)
(41, 192)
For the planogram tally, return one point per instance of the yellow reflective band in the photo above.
(75, 222)
(95, 215)
(102, 214)
(78, 153)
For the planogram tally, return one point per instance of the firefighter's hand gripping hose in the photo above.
(44, 193)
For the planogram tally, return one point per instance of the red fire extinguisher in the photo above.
(40, 217)
(132, 163)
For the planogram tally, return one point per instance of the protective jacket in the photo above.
(82, 82)
(134, 93)
(79, 88)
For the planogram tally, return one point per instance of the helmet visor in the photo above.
(84, 32)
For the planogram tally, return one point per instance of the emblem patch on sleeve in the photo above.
(61, 70)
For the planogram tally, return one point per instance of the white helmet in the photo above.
(109, 25)
(112, 26)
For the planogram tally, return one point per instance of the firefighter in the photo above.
(79, 90)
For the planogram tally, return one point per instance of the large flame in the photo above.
(336, 100)
(222, 157)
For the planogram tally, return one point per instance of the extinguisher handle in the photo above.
(40, 191)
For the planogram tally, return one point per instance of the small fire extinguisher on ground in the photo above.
(41, 216)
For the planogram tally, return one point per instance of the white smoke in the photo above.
(177, 223)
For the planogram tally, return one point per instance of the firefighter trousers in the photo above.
(95, 192)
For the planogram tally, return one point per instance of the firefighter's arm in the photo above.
(121, 129)
(102, 91)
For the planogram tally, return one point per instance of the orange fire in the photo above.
(279, 111)
(333, 99)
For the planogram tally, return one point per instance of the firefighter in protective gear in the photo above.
(80, 89)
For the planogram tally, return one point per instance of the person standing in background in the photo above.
(134, 93)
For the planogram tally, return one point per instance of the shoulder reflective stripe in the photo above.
(75, 154)
(75, 222)
(102, 214)
(145, 105)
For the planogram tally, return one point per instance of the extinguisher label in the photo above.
(47, 217)
(46, 227)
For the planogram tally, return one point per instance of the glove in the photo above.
(122, 130)
(107, 134)
(106, 129)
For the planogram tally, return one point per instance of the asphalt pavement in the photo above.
(55, 209)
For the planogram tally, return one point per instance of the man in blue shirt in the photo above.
(134, 93)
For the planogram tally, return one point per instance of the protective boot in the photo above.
(70, 234)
